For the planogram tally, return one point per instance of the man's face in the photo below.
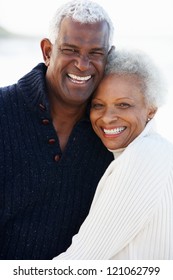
(76, 61)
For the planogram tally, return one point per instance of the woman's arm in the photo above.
(125, 200)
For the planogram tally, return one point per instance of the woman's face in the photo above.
(119, 112)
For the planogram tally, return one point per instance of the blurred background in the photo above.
(139, 24)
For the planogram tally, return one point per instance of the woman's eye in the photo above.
(96, 106)
(124, 105)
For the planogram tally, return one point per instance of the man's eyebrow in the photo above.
(69, 45)
(104, 48)
(99, 49)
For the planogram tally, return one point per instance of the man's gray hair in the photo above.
(129, 62)
(83, 11)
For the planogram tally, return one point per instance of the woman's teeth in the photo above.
(114, 130)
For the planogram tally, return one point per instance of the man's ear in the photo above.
(112, 49)
(46, 47)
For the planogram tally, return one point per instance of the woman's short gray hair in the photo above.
(83, 11)
(129, 62)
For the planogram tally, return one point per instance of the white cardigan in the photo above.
(131, 216)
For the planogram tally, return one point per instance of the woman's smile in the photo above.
(113, 132)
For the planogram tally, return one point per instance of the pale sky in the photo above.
(129, 16)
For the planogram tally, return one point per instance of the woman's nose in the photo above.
(109, 116)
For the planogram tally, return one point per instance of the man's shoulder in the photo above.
(6, 91)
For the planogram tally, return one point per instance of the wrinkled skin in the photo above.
(119, 112)
(76, 61)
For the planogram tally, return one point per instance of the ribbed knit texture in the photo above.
(131, 216)
(42, 201)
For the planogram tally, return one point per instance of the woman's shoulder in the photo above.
(147, 148)
(153, 147)
(153, 141)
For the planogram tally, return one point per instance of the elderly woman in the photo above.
(131, 216)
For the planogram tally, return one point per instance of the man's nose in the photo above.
(82, 62)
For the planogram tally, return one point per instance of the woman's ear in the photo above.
(46, 47)
(152, 113)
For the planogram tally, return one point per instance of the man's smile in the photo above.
(79, 79)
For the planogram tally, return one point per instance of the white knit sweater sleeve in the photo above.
(126, 198)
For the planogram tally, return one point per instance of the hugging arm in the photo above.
(125, 200)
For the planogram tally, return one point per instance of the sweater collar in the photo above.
(148, 130)
(33, 87)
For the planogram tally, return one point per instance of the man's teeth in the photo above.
(114, 130)
(78, 78)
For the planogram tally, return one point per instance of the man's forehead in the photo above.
(73, 32)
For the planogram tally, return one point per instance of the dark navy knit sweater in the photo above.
(44, 195)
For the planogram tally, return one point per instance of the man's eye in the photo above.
(96, 54)
(68, 51)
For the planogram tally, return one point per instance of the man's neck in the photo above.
(64, 119)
